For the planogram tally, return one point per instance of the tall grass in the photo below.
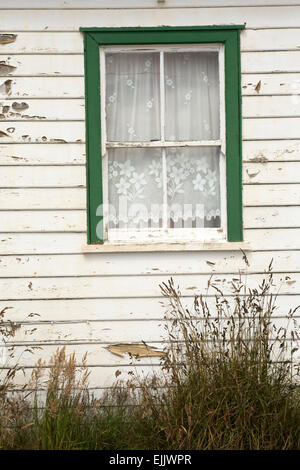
(229, 380)
(14, 409)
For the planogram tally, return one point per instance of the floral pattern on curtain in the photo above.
(191, 111)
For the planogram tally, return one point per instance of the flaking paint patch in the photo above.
(135, 349)
(21, 106)
(7, 38)
(24, 116)
(258, 87)
(6, 69)
(290, 282)
(210, 263)
(252, 175)
(5, 88)
(18, 158)
(27, 116)
(259, 159)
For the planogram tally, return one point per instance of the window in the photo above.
(163, 134)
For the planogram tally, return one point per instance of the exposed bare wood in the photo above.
(7, 38)
(135, 350)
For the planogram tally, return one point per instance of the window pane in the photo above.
(132, 97)
(193, 187)
(192, 96)
(135, 188)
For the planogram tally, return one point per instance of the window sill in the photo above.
(179, 246)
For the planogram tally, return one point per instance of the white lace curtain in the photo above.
(191, 112)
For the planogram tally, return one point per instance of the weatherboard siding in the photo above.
(89, 301)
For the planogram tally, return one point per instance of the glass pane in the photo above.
(135, 188)
(192, 96)
(193, 187)
(132, 97)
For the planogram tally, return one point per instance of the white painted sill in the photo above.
(182, 246)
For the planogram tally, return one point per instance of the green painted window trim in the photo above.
(229, 35)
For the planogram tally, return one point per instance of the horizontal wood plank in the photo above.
(106, 332)
(42, 154)
(55, 132)
(41, 198)
(100, 377)
(50, 243)
(40, 87)
(130, 286)
(39, 131)
(259, 84)
(271, 150)
(74, 176)
(64, 20)
(132, 264)
(271, 172)
(273, 239)
(37, 243)
(103, 334)
(43, 176)
(75, 220)
(272, 195)
(271, 217)
(76, 310)
(55, 86)
(73, 109)
(45, 42)
(61, 154)
(262, 62)
(280, 128)
(271, 84)
(42, 109)
(43, 221)
(74, 198)
(97, 354)
(269, 39)
(72, 64)
(34, 312)
(96, 4)
(271, 106)
(38, 65)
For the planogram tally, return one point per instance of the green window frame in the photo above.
(227, 35)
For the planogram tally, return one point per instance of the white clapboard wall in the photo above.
(56, 294)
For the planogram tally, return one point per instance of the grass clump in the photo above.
(229, 380)
(231, 377)
(69, 417)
